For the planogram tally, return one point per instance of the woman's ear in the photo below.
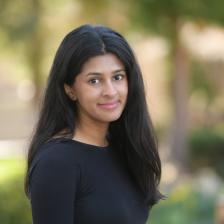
(69, 92)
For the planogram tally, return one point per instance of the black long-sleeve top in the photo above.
(72, 182)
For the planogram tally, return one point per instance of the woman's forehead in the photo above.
(101, 63)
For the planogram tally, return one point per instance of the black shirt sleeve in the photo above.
(53, 186)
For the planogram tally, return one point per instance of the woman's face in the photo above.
(100, 89)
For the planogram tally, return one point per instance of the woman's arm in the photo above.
(53, 188)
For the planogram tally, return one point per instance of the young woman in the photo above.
(93, 158)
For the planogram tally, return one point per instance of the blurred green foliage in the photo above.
(200, 81)
(207, 148)
(184, 205)
(18, 18)
(14, 207)
(161, 16)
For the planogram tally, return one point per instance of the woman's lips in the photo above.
(111, 105)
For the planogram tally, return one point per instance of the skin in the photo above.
(102, 80)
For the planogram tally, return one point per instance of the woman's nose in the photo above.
(109, 89)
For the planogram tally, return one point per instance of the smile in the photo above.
(111, 105)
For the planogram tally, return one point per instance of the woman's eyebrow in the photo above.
(98, 73)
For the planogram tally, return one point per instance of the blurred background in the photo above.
(180, 48)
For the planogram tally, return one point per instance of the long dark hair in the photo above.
(132, 134)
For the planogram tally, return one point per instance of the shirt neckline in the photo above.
(93, 147)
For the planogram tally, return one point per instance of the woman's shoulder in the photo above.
(56, 152)
(58, 145)
(53, 164)
(56, 148)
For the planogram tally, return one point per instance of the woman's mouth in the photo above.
(109, 105)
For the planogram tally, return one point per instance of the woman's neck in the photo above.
(91, 133)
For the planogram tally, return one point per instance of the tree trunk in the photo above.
(34, 51)
(179, 127)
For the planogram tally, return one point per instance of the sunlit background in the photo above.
(180, 48)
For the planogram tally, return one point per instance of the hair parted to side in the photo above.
(132, 135)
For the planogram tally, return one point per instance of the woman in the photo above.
(93, 157)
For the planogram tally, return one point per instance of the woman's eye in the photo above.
(118, 77)
(93, 81)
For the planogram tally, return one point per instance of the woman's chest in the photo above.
(107, 194)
